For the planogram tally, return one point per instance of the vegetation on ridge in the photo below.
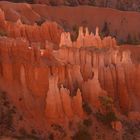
(106, 114)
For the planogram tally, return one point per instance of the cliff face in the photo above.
(113, 69)
(86, 74)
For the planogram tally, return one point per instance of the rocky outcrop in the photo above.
(92, 90)
(49, 31)
(95, 73)
(59, 104)
(113, 69)
(117, 125)
(87, 40)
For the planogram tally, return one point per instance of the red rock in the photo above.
(87, 40)
(92, 90)
(47, 31)
(117, 125)
(77, 104)
(53, 108)
(135, 116)
(46, 83)
(66, 102)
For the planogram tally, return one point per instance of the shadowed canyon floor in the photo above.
(76, 85)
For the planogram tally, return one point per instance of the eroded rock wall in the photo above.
(54, 83)
(49, 31)
(47, 84)
(86, 39)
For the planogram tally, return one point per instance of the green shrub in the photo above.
(87, 108)
(51, 136)
(107, 115)
(75, 31)
(26, 136)
(106, 118)
(53, 2)
(3, 33)
(40, 21)
(106, 102)
(20, 1)
(60, 129)
(82, 134)
(105, 30)
(6, 113)
(92, 2)
(71, 2)
(87, 122)
(57, 127)
(132, 40)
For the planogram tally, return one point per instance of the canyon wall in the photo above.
(49, 84)
(86, 39)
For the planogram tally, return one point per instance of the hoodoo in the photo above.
(67, 83)
(87, 40)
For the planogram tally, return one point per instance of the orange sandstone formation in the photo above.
(49, 31)
(87, 40)
(59, 104)
(118, 23)
(95, 73)
(50, 86)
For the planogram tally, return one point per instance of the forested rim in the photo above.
(125, 5)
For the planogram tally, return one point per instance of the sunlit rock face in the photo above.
(56, 81)
(51, 84)
(49, 31)
(86, 39)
